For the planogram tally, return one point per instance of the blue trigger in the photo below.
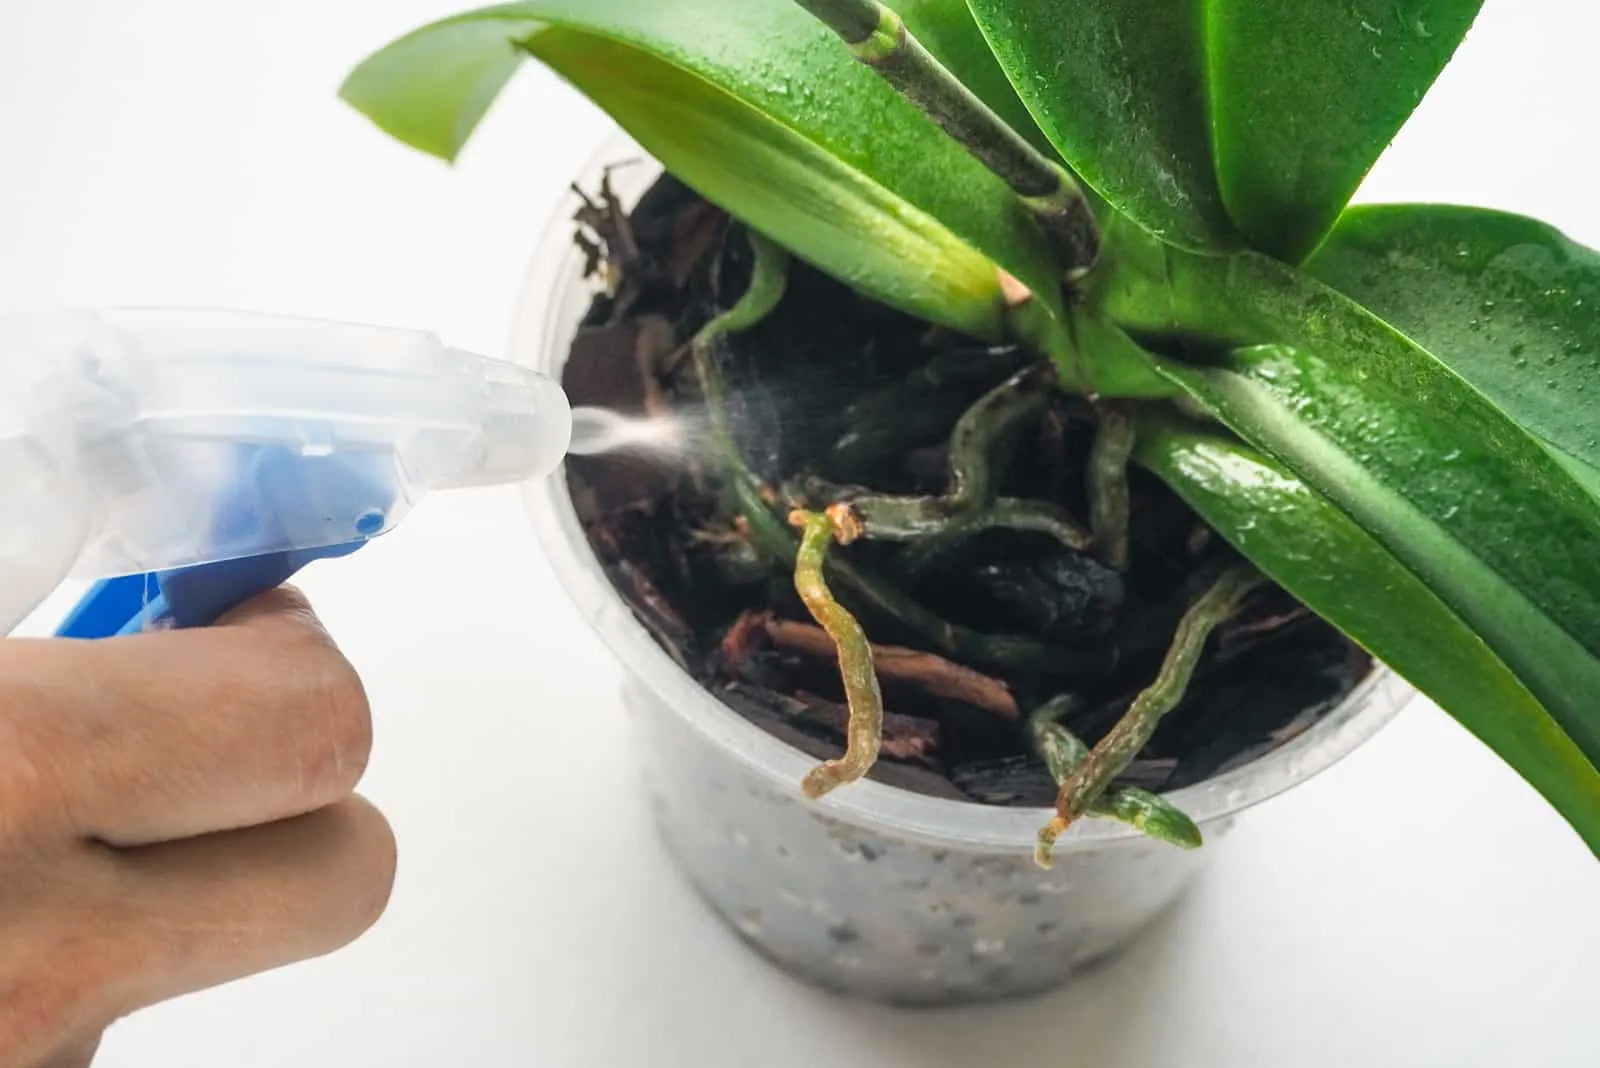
(277, 486)
(109, 605)
(186, 597)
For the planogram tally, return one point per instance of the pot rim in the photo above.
(551, 298)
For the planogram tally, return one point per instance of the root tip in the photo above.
(819, 782)
(1044, 848)
(847, 525)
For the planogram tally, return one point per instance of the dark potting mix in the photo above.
(972, 628)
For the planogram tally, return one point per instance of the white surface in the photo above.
(1414, 906)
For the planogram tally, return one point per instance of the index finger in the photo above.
(282, 607)
(156, 737)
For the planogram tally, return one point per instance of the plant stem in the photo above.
(1064, 752)
(1037, 328)
(878, 37)
(864, 735)
(1131, 733)
(1108, 483)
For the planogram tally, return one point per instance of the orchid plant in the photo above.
(1387, 409)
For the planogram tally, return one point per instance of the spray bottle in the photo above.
(188, 460)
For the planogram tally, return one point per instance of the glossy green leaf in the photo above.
(759, 107)
(1216, 123)
(1119, 87)
(1507, 302)
(802, 198)
(1333, 566)
(1460, 493)
(431, 88)
(1305, 95)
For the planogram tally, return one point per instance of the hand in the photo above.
(176, 811)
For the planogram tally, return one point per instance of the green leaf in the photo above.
(759, 107)
(1305, 95)
(1119, 88)
(431, 88)
(784, 186)
(1216, 123)
(1506, 302)
(1427, 465)
(1333, 566)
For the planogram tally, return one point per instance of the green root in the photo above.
(987, 426)
(1088, 781)
(1064, 752)
(768, 281)
(1151, 814)
(1007, 513)
(1108, 484)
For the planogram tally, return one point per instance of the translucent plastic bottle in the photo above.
(146, 440)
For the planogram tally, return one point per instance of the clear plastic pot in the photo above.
(875, 891)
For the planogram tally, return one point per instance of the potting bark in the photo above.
(833, 390)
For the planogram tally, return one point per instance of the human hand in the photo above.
(176, 811)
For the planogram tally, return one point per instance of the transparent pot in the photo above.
(875, 891)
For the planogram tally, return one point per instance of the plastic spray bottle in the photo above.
(190, 459)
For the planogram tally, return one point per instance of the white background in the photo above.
(1414, 906)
